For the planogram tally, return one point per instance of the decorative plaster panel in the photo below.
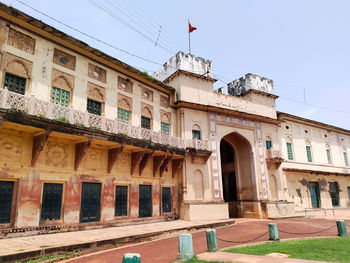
(16, 65)
(96, 93)
(64, 59)
(125, 84)
(21, 41)
(124, 102)
(164, 101)
(97, 73)
(146, 94)
(62, 80)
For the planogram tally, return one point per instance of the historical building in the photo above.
(88, 140)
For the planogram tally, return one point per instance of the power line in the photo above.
(127, 24)
(150, 20)
(89, 36)
(127, 14)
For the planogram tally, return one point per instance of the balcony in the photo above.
(274, 156)
(49, 110)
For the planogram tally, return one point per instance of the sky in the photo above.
(302, 45)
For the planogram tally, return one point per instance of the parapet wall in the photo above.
(250, 81)
(186, 62)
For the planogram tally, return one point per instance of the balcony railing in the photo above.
(274, 155)
(52, 111)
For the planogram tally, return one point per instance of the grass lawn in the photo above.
(325, 249)
(196, 260)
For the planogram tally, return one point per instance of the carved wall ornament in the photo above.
(64, 59)
(62, 80)
(125, 84)
(146, 94)
(97, 73)
(93, 159)
(165, 117)
(96, 92)
(10, 148)
(164, 101)
(17, 66)
(124, 102)
(21, 41)
(56, 155)
(147, 110)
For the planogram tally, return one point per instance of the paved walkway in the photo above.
(37, 244)
(165, 250)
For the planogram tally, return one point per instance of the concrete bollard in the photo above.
(273, 232)
(185, 247)
(212, 241)
(342, 228)
(131, 258)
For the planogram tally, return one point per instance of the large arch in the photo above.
(238, 176)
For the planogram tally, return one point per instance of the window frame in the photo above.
(121, 110)
(171, 201)
(329, 156)
(96, 102)
(69, 100)
(337, 193)
(308, 153)
(127, 200)
(42, 200)
(164, 124)
(17, 77)
(196, 134)
(346, 158)
(290, 154)
(143, 118)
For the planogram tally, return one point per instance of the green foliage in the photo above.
(196, 260)
(325, 249)
(146, 75)
(54, 258)
(61, 119)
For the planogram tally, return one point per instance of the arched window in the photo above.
(124, 108)
(196, 132)
(165, 122)
(146, 116)
(62, 88)
(268, 142)
(289, 148)
(308, 151)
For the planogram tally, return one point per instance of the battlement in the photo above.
(186, 62)
(250, 81)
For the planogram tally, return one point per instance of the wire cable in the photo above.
(128, 25)
(89, 36)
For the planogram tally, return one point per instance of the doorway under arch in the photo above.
(238, 176)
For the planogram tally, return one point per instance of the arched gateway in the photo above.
(238, 176)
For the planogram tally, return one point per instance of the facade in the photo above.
(88, 140)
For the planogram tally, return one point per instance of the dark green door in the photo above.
(314, 193)
(6, 191)
(145, 201)
(90, 202)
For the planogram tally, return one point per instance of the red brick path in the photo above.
(165, 250)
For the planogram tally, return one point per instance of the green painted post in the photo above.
(212, 241)
(185, 247)
(273, 232)
(342, 228)
(131, 258)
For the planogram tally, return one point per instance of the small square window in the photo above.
(145, 122)
(14, 83)
(165, 127)
(123, 115)
(196, 134)
(268, 145)
(94, 107)
(60, 96)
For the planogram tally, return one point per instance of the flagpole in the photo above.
(189, 38)
(189, 42)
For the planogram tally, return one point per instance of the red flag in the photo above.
(190, 28)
